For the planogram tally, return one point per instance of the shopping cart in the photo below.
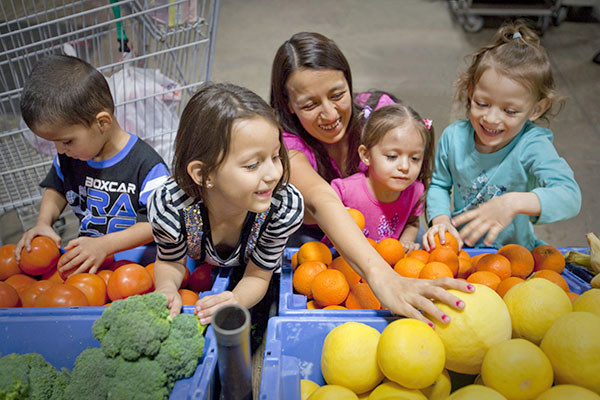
(470, 13)
(154, 53)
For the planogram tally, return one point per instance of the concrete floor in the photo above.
(415, 49)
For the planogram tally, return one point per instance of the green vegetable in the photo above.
(29, 376)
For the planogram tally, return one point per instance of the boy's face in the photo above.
(75, 141)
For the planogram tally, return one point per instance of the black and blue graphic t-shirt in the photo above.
(111, 195)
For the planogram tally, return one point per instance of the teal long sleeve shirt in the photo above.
(529, 163)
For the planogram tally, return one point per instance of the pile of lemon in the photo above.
(533, 344)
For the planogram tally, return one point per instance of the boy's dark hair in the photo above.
(64, 90)
(313, 51)
(204, 132)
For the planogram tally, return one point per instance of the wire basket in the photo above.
(154, 53)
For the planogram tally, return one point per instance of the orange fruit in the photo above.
(373, 242)
(507, 283)
(304, 275)
(150, 269)
(104, 274)
(409, 267)
(188, 297)
(329, 287)
(463, 254)
(475, 259)
(310, 305)
(341, 265)
(294, 261)
(358, 217)
(419, 254)
(362, 297)
(447, 256)
(465, 267)
(486, 278)
(552, 276)
(451, 242)
(572, 296)
(435, 270)
(390, 249)
(548, 257)
(521, 259)
(334, 307)
(495, 263)
(314, 251)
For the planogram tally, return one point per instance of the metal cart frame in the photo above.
(174, 39)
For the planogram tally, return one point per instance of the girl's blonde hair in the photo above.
(392, 116)
(516, 52)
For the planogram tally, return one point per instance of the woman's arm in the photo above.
(401, 295)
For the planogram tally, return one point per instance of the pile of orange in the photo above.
(499, 271)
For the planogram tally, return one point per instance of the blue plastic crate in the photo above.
(291, 303)
(60, 335)
(293, 352)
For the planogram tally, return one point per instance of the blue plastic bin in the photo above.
(60, 335)
(291, 303)
(293, 352)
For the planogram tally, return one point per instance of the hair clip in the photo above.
(384, 100)
(517, 35)
(367, 111)
(428, 123)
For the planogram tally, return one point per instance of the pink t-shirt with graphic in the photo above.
(382, 220)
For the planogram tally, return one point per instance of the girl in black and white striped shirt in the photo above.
(228, 202)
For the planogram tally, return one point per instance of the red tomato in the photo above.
(118, 263)
(42, 257)
(91, 285)
(8, 264)
(150, 269)
(128, 280)
(200, 279)
(8, 296)
(107, 263)
(186, 278)
(105, 275)
(32, 292)
(62, 295)
(52, 275)
(20, 282)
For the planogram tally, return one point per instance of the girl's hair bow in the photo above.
(428, 123)
(367, 112)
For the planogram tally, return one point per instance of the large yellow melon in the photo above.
(410, 353)
(472, 331)
(349, 357)
(476, 392)
(573, 346)
(533, 306)
(569, 392)
(306, 388)
(392, 391)
(588, 301)
(330, 392)
(441, 388)
(517, 369)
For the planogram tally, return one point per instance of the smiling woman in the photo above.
(311, 90)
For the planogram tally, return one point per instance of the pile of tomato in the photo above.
(35, 280)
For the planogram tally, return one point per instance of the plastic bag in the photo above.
(151, 115)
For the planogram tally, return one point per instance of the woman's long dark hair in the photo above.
(313, 51)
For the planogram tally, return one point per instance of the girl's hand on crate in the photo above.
(174, 302)
(208, 305)
(37, 230)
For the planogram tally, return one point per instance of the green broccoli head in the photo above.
(45, 381)
(14, 377)
(133, 327)
(143, 379)
(180, 352)
(89, 375)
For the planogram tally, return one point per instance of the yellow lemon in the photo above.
(307, 387)
(476, 392)
(561, 392)
(588, 301)
(329, 392)
(392, 391)
(533, 306)
(410, 353)
(440, 390)
(349, 357)
(472, 331)
(517, 369)
(573, 346)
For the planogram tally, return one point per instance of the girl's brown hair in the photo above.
(389, 117)
(204, 133)
(313, 51)
(516, 52)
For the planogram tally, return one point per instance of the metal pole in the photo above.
(231, 324)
